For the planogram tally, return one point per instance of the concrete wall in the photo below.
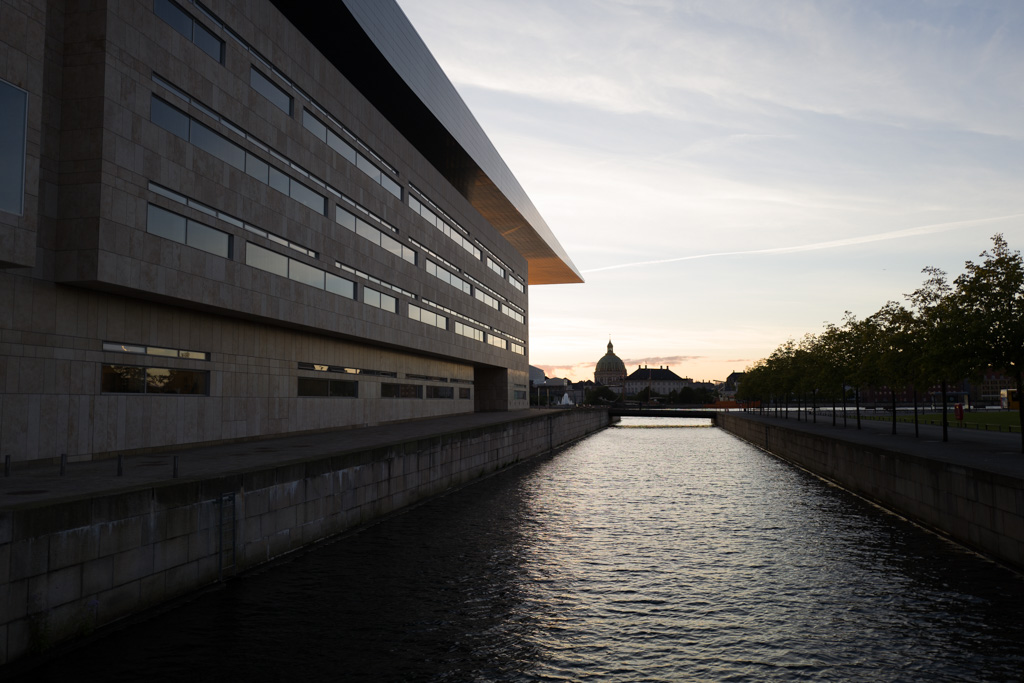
(981, 510)
(73, 565)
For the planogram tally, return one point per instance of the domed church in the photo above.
(610, 370)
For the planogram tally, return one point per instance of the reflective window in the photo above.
(169, 225)
(440, 392)
(182, 22)
(257, 168)
(120, 347)
(217, 145)
(165, 224)
(314, 125)
(270, 90)
(335, 388)
(179, 20)
(169, 118)
(208, 239)
(377, 300)
(341, 286)
(341, 147)
(378, 237)
(306, 274)
(303, 194)
(124, 379)
(173, 381)
(13, 137)
(390, 390)
(428, 317)
(267, 260)
(208, 43)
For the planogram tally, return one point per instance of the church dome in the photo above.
(610, 364)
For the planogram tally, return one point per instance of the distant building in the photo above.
(731, 385)
(659, 380)
(610, 370)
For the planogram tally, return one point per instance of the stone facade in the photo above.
(218, 225)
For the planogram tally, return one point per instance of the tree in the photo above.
(990, 296)
(600, 395)
(941, 324)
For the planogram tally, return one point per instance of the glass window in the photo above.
(217, 145)
(364, 229)
(344, 388)
(208, 43)
(311, 386)
(175, 16)
(267, 260)
(172, 381)
(209, 239)
(257, 168)
(371, 297)
(463, 392)
(270, 90)
(345, 218)
(391, 186)
(123, 348)
(389, 303)
(340, 146)
(313, 125)
(440, 392)
(13, 136)
(169, 118)
(303, 194)
(279, 181)
(165, 224)
(341, 286)
(364, 165)
(305, 273)
(122, 379)
(391, 390)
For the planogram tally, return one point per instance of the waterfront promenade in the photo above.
(84, 549)
(40, 483)
(995, 452)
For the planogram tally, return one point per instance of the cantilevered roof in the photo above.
(373, 44)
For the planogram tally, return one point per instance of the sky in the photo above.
(728, 175)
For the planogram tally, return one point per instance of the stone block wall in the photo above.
(71, 566)
(978, 509)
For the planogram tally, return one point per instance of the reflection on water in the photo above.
(637, 554)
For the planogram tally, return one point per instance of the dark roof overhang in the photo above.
(372, 43)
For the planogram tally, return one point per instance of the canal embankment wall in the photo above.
(69, 566)
(979, 509)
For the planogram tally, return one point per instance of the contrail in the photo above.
(831, 244)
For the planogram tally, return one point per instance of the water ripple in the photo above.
(636, 555)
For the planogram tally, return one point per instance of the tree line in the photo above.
(945, 332)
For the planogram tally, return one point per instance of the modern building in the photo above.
(247, 218)
(610, 371)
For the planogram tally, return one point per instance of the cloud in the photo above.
(814, 246)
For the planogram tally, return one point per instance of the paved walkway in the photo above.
(31, 484)
(990, 451)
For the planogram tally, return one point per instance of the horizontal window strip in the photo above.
(179, 123)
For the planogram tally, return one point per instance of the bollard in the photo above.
(120, 464)
(63, 463)
(175, 467)
(7, 465)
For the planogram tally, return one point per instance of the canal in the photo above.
(657, 550)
